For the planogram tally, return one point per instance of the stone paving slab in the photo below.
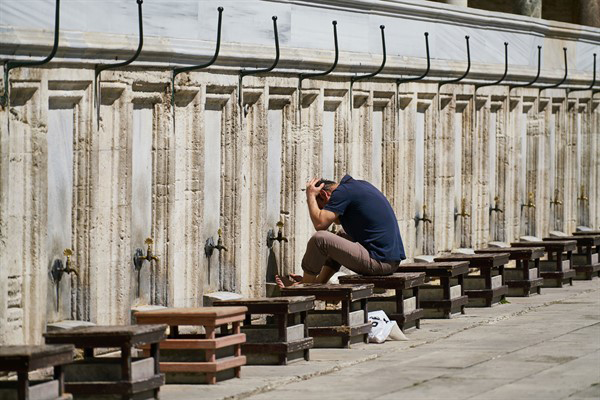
(540, 347)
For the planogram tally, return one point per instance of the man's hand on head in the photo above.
(311, 189)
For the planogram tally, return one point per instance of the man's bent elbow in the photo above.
(322, 226)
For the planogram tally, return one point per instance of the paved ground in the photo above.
(541, 347)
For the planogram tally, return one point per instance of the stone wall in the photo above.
(102, 183)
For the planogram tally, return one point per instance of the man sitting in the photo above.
(370, 243)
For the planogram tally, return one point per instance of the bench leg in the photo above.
(346, 322)
(60, 377)
(23, 388)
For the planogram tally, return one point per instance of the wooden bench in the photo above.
(24, 359)
(280, 342)
(339, 327)
(200, 358)
(586, 261)
(524, 279)
(557, 269)
(488, 288)
(447, 298)
(403, 307)
(112, 377)
(586, 233)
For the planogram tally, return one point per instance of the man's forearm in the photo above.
(315, 214)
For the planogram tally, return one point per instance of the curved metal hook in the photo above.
(564, 77)
(399, 81)
(177, 71)
(246, 72)
(536, 76)
(103, 67)
(505, 70)
(371, 75)
(468, 67)
(335, 61)
(591, 87)
(4, 99)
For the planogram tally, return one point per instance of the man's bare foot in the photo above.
(283, 282)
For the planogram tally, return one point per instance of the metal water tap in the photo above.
(279, 238)
(582, 197)
(57, 271)
(556, 201)
(463, 209)
(210, 245)
(424, 218)
(530, 201)
(139, 257)
(496, 208)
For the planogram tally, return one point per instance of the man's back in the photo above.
(367, 216)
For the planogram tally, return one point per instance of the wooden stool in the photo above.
(200, 358)
(286, 340)
(557, 269)
(121, 377)
(586, 261)
(405, 310)
(524, 279)
(340, 327)
(24, 359)
(447, 298)
(488, 288)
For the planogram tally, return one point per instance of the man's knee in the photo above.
(319, 238)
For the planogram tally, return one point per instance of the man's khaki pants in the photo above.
(334, 250)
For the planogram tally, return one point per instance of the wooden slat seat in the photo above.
(279, 343)
(83, 378)
(488, 288)
(405, 316)
(24, 359)
(199, 358)
(444, 305)
(524, 279)
(586, 260)
(346, 329)
(557, 269)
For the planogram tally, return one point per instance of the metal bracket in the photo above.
(564, 77)
(521, 85)
(424, 74)
(440, 84)
(503, 76)
(57, 270)
(209, 247)
(138, 259)
(591, 87)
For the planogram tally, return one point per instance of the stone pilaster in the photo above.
(528, 8)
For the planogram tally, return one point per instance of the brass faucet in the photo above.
(582, 196)
(149, 252)
(272, 238)
(58, 270)
(210, 245)
(556, 201)
(463, 209)
(530, 201)
(496, 203)
(424, 218)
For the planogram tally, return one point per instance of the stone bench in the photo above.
(112, 377)
(447, 298)
(200, 358)
(556, 270)
(586, 261)
(24, 359)
(280, 342)
(487, 288)
(403, 307)
(339, 327)
(524, 279)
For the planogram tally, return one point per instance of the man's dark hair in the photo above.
(326, 182)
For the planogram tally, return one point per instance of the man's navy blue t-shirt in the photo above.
(367, 216)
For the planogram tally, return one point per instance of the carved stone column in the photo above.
(589, 12)
(529, 8)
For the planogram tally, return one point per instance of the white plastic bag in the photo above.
(382, 328)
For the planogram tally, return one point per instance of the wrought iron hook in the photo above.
(536, 76)
(371, 75)
(505, 70)
(335, 61)
(177, 71)
(399, 81)
(5, 98)
(591, 87)
(246, 72)
(103, 67)
(564, 77)
(468, 67)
